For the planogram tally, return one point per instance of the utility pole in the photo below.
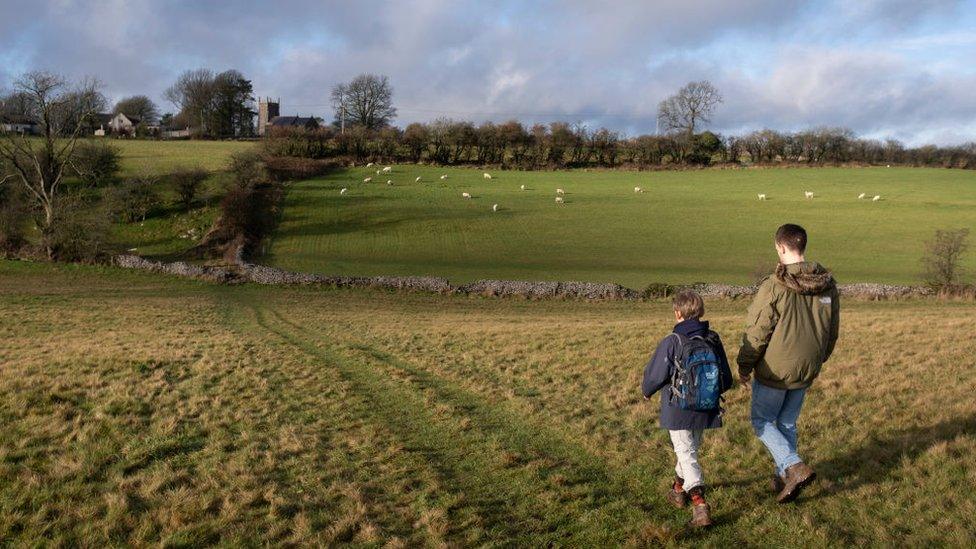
(342, 106)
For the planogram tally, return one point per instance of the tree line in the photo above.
(513, 144)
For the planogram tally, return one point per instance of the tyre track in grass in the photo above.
(560, 492)
(422, 481)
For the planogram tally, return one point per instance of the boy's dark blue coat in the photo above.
(657, 377)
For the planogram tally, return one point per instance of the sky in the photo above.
(901, 69)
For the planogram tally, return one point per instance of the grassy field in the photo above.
(166, 232)
(159, 157)
(687, 226)
(141, 410)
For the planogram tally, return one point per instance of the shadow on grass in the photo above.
(881, 457)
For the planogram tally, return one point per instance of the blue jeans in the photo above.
(774, 415)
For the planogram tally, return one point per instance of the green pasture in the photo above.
(687, 226)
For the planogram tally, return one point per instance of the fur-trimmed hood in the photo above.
(805, 278)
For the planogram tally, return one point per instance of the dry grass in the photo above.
(142, 410)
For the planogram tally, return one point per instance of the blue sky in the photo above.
(884, 68)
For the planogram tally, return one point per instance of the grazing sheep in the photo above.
(888, 166)
(367, 180)
(465, 195)
(876, 198)
(379, 172)
(389, 181)
(417, 180)
(343, 190)
(387, 169)
(370, 165)
(861, 196)
(444, 176)
(522, 187)
(559, 200)
(638, 190)
(808, 194)
(494, 207)
(560, 191)
(486, 175)
(762, 196)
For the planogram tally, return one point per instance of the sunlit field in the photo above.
(687, 226)
(139, 409)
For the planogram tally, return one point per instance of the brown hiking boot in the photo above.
(776, 484)
(796, 478)
(701, 515)
(678, 499)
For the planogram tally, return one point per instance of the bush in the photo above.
(658, 290)
(77, 233)
(941, 263)
(291, 168)
(95, 163)
(13, 219)
(247, 168)
(133, 200)
(187, 183)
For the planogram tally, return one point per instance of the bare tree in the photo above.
(138, 106)
(61, 110)
(691, 106)
(365, 101)
(942, 258)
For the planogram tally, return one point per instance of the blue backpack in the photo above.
(697, 378)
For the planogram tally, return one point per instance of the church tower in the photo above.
(267, 109)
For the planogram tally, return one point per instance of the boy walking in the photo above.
(791, 330)
(691, 370)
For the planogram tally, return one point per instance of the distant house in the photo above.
(17, 123)
(309, 123)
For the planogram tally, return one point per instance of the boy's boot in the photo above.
(796, 478)
(700, 511)
(677, 496)
(776, 484)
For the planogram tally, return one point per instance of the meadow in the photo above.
(139, 409)
(687, 226)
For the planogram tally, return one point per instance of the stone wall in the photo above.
(260, 274)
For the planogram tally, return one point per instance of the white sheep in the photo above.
(389, 181)
(638, 190)
(861, 196)
(876, 198)
(378, 172)
(494, 207)
(522, 187)
(560, 191)
(370, 165)
(808, 194)
(559, 200)
(444, 176)
(888, 166)
(486, 175)
(762, 196)
(343, 190)
(387, 169)
(465, 195)
(417, 180)
(367, 180)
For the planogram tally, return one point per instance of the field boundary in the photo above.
(589, 291)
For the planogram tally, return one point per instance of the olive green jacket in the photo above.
(792, 326)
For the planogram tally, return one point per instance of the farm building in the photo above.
(18, 124)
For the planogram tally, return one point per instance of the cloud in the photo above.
(879, 66)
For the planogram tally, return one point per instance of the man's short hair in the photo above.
(794, 237)
(689, 304)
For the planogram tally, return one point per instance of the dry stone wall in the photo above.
(261, 274)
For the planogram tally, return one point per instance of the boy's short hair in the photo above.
(689, 304)
(794, 237)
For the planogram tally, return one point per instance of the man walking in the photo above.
(791, 330)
